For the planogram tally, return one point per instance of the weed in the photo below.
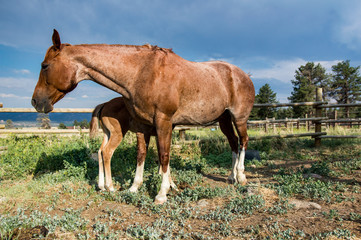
(337, 233)
(280, 207)
(223, 229)
(245, 205)
(320, 167)
(332, 214)
(203, 193)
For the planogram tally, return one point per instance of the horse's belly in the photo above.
(199, 113)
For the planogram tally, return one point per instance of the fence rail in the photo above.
(318, 120)
(56, 110)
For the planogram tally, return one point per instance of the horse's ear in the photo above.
(56, 40)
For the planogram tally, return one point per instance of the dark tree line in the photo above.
(343, 85)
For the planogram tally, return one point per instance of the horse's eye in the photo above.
(44, 66)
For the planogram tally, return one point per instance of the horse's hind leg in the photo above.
(241, 126)
(225, 123)
(107, 152)
(100, 160)
(142, 147)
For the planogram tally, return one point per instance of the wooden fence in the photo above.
(317, 121)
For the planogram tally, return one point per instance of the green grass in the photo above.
(51, 181)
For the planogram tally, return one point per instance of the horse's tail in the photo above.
(94, 123)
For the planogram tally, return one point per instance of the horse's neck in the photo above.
(114, 67)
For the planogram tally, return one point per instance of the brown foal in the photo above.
(115, 122)
(160, 89)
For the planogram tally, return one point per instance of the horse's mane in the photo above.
(154, 48)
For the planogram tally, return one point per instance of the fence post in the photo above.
(266, 126)
(274, 126)
(318, 125)
(2, 126)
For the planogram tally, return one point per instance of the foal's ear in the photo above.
(56, 40)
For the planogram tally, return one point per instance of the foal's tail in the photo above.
(94, 123)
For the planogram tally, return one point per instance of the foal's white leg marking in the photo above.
(164, 188)
(138, 179)
(232, 178)
(108, 177)
(101, 171)
(241, 177)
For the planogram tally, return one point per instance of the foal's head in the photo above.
(57, 77)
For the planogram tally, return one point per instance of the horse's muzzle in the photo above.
(41, 106)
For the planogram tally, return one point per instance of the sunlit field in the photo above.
(48, 188)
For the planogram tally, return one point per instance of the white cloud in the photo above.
(85, 96)
(10, 95)
(22, 71)
(284, 70)
(13, 82)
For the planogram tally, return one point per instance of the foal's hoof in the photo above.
(231, 180)
(160, 200)
(110, 189)
(241, 179)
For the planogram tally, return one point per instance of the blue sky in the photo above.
(268, 39)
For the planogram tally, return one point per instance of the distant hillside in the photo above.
(55, 118)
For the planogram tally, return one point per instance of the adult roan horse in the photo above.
(116, 121)
(160, 89)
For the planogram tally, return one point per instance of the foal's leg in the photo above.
(241, 126)
(142, 147)
(100, 160)
(108, 151)
(164, 133)
(225, 123)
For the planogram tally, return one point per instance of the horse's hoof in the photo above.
(133, 189)
(101, 188)
(174, 187)
(160, 200)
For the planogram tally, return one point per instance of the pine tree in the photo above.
(9, 124)
(345, 84)
(43, 120)
(307, 79)
(266, 95)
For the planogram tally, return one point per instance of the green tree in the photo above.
(9, 124)
(43, 120)
(84, 124)
(62, 126)
(266, 95)
(284, 113)
(307, 79)
(76, 123)
(345, 84)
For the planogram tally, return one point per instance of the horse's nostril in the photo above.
(33, 102)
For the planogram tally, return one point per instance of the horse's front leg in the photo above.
(142, 147)
(164, 133)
